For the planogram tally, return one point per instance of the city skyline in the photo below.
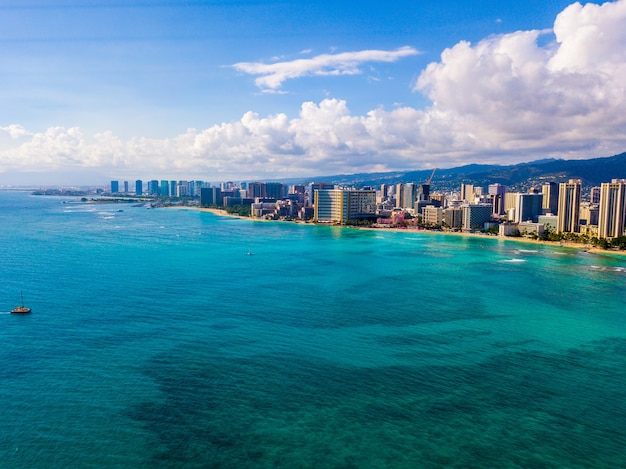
(279, 89)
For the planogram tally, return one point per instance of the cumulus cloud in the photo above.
(508, 98)
(323, 137)
(271, 76)
(14, 131)
(508, 93)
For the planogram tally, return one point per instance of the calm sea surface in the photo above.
(155, 341)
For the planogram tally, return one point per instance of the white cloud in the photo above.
(509, 94)
(508, 98)
(14, 131)
(271, 76)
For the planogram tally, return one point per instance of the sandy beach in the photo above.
(563, 244)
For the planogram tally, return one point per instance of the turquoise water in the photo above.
(155, 341)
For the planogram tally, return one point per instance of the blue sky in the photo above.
(221, 90)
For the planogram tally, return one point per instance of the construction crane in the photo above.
(431, 177)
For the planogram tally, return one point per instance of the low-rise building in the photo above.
(529, 228)
(549, 221)
(508, 229)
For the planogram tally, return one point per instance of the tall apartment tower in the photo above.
(115, 187)
(497, 193)
(569, 206)
(406, 194)
(138, 187)
(528, 207)
(550, 193)
(153, 187)
(612, 216)
(467, 192)
(164, 189)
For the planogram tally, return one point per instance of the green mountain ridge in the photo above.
(592, 171)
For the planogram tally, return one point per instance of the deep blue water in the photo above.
(155, 341)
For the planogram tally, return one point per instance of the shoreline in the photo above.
(554, 244)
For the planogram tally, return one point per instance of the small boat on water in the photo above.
(21, 309)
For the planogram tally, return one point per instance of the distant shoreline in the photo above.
(555, 244)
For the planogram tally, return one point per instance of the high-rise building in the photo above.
(475, 216)
(594, 195)
(440, 198)
(383, 192)
(182, 189)
(126, 187)
(138, 187)
(398, 193)
(569, 206)
(312, 187)
(330, 205)
(115, 187)
(612, 216)
(453, 217)
(510, 201)
(256, 189)
(153, 187)
(274, 190)
(497, 193)
(528, 207)
(210, 196)
(297, 189)
(266, 190)
(340, 206)
(550, 202)
(406, 194)
(164, 189)
(467, 192)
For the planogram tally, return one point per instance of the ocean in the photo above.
(156, 341)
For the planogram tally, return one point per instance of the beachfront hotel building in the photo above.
(432, 215)
(569, 206)
(475, 216)
(340, 206)
(529, 207)
(612, 214)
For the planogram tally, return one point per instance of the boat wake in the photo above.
(514, 260)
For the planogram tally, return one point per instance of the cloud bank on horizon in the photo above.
(507, 98)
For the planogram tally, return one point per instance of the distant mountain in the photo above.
(592, 172)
